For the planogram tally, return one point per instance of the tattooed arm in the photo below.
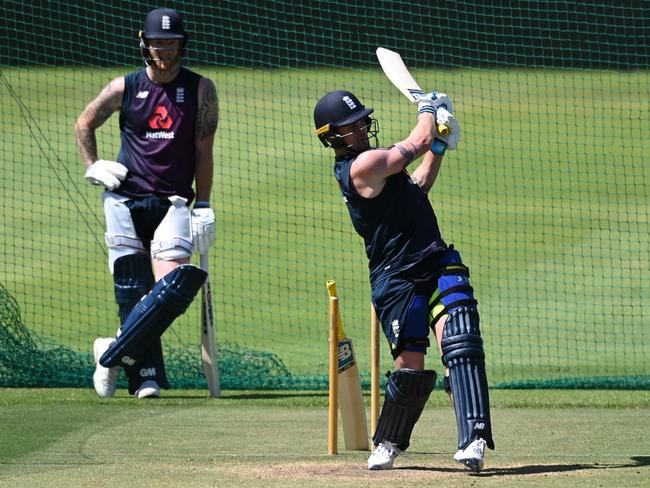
(207, 120)
(94, 115)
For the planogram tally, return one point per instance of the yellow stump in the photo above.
(374, 370)
(333, 425)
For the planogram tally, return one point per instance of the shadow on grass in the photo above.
(262, 396)
(636, 462)
(252, 396)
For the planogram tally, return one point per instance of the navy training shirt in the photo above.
(398, 226)
(157, 123)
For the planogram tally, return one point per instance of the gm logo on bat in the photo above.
(346, 357)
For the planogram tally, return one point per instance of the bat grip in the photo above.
(443, 130)
(204, 262)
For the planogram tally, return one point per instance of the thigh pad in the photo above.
(121, 236)
(173, 238)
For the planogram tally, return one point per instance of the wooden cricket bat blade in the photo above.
(351, 406)
(399, 75)
(208, 343)
(397, 72)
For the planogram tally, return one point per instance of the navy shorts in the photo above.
(441, 279)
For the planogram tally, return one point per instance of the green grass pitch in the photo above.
(59, 437)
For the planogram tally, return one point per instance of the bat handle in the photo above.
(203, 262)
(443, 130)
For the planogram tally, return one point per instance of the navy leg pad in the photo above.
(462, 350)
(133, 279)
(168, 299)
(407, 392)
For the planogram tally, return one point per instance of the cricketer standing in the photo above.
(168, 119)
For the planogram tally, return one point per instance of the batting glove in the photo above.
(430, 102)
(204, 228)
(108, 174)
(450, 141)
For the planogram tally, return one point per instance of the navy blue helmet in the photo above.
(162, 23)
(336, 109)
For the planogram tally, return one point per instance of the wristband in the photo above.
(438, 146)
(198, 204)
(428, 109)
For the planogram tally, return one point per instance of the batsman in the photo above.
(418, 282)
(168, 116)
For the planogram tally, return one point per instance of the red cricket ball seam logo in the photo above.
(160, 118)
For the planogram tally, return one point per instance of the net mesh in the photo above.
(546, 197)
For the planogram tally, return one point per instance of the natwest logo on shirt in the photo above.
(160, 118)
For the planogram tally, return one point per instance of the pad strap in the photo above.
(116, 240)
(407, 391)
(447, 385)
(462, 353)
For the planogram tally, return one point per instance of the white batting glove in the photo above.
(108, 174)
(450, 141)
(204, 228)
(430, 102)
(444, 116)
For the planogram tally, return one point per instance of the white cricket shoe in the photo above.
(104, 379)
(383, 455)
(472, 455)
(148, 389)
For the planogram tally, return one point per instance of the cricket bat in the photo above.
(208, 345)
(351, 406)
(397, 72)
